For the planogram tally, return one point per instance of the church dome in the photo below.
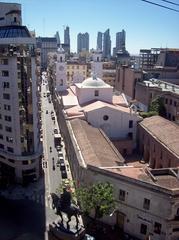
(93, 82)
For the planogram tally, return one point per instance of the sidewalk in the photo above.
(18, 192)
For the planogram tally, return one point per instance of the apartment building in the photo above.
(148, 90)
(76, 72)
(126, 79)
(20, 147)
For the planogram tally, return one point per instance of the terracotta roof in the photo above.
(96, 148)
(164, 131)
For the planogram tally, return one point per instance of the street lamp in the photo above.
(111, 214)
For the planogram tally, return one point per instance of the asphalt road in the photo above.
(53, 174)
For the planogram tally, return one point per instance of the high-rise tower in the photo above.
(83, 42)
(121, 41)
(67, 35)
(106, 44)
(100, 41)
(20, 147)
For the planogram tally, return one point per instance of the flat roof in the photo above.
(162, 85)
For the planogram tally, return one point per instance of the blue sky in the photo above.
(146, 26)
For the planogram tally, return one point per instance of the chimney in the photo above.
(165, 86)
(173, 88)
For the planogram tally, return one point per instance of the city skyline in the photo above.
(144, 23)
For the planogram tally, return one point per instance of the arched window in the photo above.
(60, 59)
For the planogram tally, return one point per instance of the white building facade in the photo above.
(20, 147)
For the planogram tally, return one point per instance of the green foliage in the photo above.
(98, 197)
(148, 114)
(157, 105)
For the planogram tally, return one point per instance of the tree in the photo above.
(98, 197)
(157, 105)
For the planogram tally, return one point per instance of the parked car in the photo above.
(64, 174)
(58, 148)
(60, 154)
(60, 160)
(62, 167)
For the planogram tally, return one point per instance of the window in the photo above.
(105, 117)
(60, 59)
(1, 136)
(9, 139)
(175, 103)
(25, 162)
(173, 118)
(166, 100)
(122, 194)
(5, 73)
(4, 61)
(143, 229)
(96, 93)
(7, 107)
(6, 96)
(0, 116)
(8, 118)
(6, 84)
(11, 160)
(10, 149)
(8, 129)
(130, 123)
(171, 101)
(175, 229)
(157, 228)
(146, 204)
(1, 146)
(169, 116)
(0, 126)
(130, 135)
(61, 82)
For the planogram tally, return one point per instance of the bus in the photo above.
(57, 139)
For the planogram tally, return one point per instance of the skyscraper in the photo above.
(20, 146)
(57, 36)
(121, 41)
(82, 42)
(99, 41)
(67, 35)
(106, 44)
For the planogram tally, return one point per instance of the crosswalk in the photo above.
(41, 199)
